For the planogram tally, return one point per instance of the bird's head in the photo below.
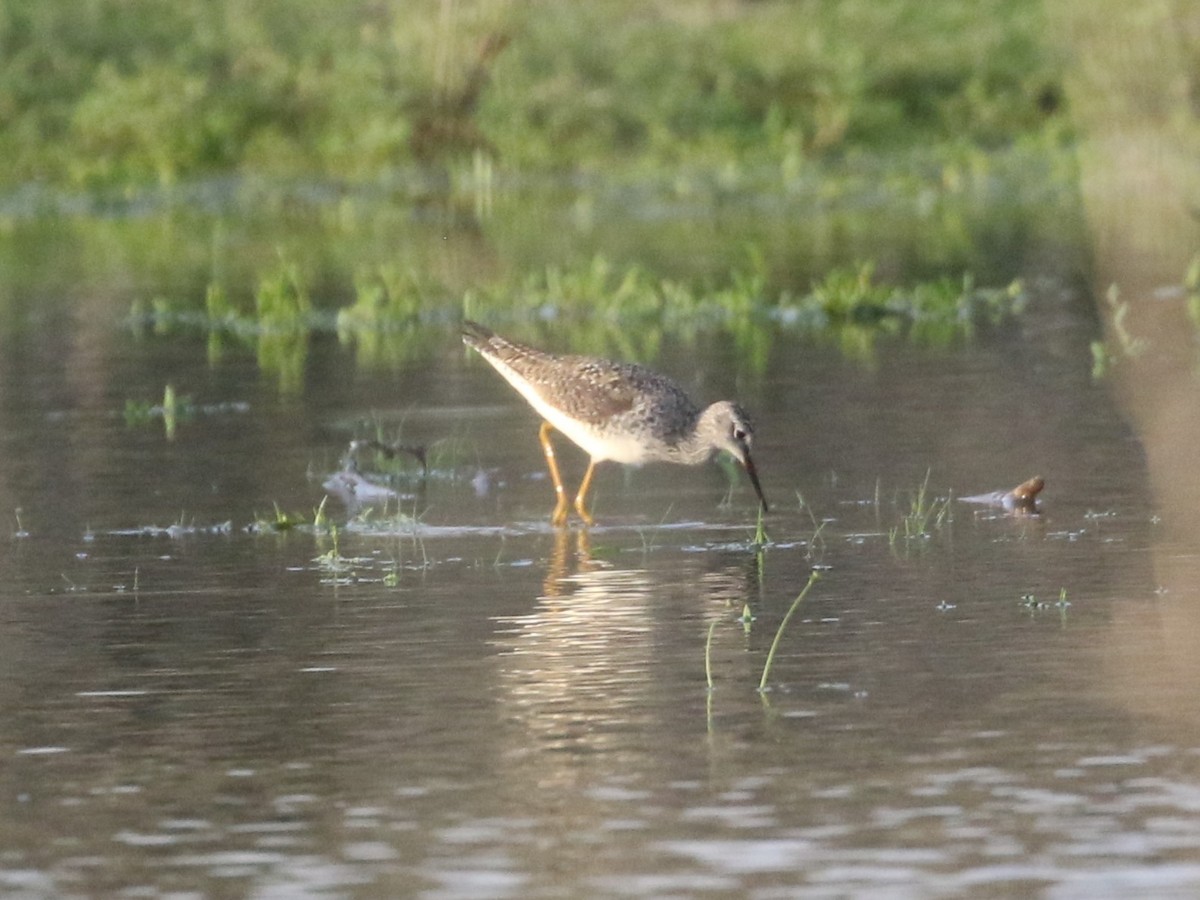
(729, 428)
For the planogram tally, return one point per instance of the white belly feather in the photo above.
(618, 448)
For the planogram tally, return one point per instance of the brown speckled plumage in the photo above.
(613, 410)
(602, 393)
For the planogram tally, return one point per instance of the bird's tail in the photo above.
(476, 335)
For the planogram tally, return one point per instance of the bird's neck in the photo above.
(695, 447)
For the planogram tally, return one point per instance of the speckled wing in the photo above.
(592, 390)
(588, 389)
(574, 384)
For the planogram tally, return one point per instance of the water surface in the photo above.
(471, 703)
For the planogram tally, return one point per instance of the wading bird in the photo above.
(614, 411)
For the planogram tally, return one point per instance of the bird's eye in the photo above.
(739, 434)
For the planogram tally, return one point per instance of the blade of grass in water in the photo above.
(766, 673)
(708, 655)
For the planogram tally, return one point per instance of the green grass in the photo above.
(925, 515)
(621, 311)
(170, 411)
(766, 672)
(279, 522)
(777, 82)
(708, 655)
(1122, 344)
(119, 92)
(815, 545)
(848, 301)
(611, 310)
(383, 321)
(634, 171)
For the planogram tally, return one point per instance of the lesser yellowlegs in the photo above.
(614, 411)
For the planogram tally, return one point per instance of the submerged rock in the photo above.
(1021, 500)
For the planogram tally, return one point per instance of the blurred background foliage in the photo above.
(376, 167)
(117, 92)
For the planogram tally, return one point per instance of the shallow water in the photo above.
(474, 704)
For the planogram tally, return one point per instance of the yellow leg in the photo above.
(559, 516)
(581, 497)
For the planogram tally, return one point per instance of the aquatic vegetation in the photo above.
(277, 328)
(1191, 284)
(283, 316)
(336, 568)
(845, 298)
(387, 322)
(331, 563)
(282, 522)
(712, 626)
(935, 311)
(1034, 605)
(925, 514)
(384, 321)
(391, 458)
(320, 517)
(746, 619)
(1159, 327)
(170, 411)
(174, 409)
(760, 531)
(385, 519)
(787, 617)
(1122, 345)
(385, 454)
(816, 542)
(606, 309)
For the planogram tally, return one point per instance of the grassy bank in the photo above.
(132, 92)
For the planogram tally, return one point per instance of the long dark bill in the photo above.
(753, 473)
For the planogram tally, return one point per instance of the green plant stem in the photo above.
(708, 655)
(762, 684)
